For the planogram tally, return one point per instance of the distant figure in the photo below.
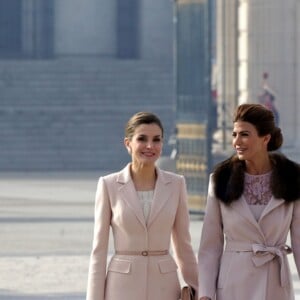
(214, 97)
(267, 98)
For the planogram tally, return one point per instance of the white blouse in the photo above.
(146, 198)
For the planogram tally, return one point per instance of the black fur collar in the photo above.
(229, 179)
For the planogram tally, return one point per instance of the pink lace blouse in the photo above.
(257, 192)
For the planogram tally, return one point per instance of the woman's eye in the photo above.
(157, 140)
(141, 139)
(240, 134)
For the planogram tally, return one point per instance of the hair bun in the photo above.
(276, 140)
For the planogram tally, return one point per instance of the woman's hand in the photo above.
(205, 298)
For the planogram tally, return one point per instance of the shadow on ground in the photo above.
(10, 296)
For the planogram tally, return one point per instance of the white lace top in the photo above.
(146, 198)
(257, 192)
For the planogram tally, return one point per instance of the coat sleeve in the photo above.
(295, 234)
(98, 259)
(211, 246)
(181, 239)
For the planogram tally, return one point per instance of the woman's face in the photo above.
(247, 143)
(145, 146)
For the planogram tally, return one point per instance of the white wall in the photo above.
(89, 27)
(157, 29)
(85, 27)
(272, 48)
(297, 67)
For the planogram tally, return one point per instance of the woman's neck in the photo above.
(259, 167)
(144, 177)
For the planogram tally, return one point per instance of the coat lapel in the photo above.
(243, 209)
(271, 206)
(129, 195)
(161, 195)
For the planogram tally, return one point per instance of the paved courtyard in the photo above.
(46, 225)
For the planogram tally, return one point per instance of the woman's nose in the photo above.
(235, 140)
(149, 145)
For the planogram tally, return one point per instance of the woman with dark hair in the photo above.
(252, 206)
(145, 207)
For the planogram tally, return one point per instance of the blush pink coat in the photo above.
(136, 277)
(244, 259)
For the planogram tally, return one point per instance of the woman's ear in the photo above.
(267, 139)
(127, 145)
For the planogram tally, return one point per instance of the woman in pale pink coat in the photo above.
(145, 207)
(253, 203)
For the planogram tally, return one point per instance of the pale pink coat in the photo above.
(240, 272)
(137, 277)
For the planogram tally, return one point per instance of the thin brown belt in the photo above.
(144, 253)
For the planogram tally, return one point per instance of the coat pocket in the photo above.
(119, 266)
(167, 266)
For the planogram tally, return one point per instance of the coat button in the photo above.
(145, 253)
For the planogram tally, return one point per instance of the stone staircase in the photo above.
(69, 113)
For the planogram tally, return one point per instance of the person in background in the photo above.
(252, 206)
(267, 98)
(145, 207)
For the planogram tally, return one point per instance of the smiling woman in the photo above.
(145, 207)
(145, 145)
(253, 128)
(252, 206)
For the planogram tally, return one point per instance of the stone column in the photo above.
(27, 28)
(193, 134)
(226, 69)
(37, 28)
(43, 28)
(128, 25)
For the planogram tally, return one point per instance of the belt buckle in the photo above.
(145, 253)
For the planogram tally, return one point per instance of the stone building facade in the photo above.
(72, 72)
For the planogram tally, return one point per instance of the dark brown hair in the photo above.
(263, 120)
(141, 118)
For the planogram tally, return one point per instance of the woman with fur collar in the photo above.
(252, 206)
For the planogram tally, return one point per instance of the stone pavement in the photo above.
(46, 225)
